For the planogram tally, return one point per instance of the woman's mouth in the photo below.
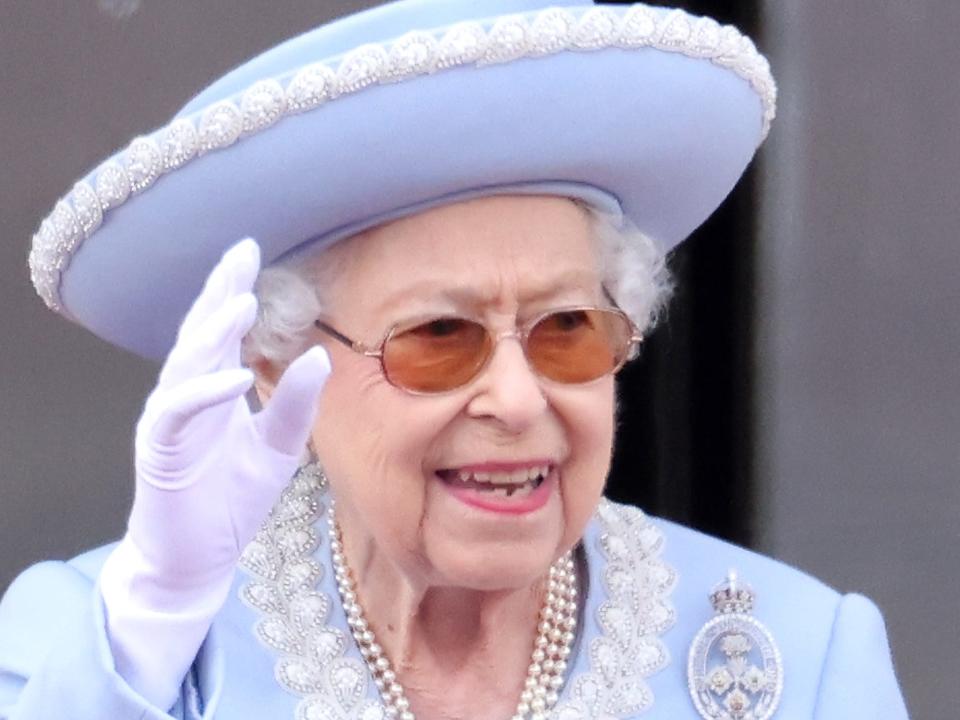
(518, 488)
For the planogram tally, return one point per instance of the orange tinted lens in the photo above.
(436, 356)
(576, 346)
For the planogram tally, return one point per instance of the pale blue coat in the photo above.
(55, 660)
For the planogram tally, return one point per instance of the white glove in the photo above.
(208, 472)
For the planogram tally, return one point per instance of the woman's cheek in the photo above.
(590, 426)
(384, 450)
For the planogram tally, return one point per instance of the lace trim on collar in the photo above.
(636, 611)
(318, 663)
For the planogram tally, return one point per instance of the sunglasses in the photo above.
(570, 345)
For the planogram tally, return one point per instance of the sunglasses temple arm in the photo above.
(340, 337)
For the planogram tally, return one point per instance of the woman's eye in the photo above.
(441, 327)
(566, 320)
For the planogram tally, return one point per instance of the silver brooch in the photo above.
(734, 670)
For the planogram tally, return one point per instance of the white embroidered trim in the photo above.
(511, 37)
(295, 614)
(313, 662)
(636, 612)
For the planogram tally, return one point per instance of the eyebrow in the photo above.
(429, 289)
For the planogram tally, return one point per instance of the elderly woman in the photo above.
(475, 251)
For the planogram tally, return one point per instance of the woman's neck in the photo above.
(456, 651)
(459, 653)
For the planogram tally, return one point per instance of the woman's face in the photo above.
(412, 474)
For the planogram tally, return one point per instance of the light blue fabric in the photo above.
(54, 661)
(658, 134)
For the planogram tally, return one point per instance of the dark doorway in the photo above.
(685, 441)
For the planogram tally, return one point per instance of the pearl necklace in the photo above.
(555, 635)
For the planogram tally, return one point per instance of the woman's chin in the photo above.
(495, 577)
(493, 541)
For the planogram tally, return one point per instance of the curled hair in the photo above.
(290, 293)
(633, 268)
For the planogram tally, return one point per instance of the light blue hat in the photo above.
(648, 112)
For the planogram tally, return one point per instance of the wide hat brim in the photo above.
(639, 110)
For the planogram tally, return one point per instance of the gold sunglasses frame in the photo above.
(521, 333)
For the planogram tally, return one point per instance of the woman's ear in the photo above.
(265, 379)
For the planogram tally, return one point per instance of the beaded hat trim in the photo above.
(507, 39)
(315, 658)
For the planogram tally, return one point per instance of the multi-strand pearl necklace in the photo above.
(555, 635)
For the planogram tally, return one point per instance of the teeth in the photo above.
(522, 491)
(521, 476)
(519, 491)
(519, 483)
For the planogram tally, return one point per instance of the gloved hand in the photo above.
(207, 473)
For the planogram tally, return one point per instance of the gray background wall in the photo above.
(859, 386)
(859, 309)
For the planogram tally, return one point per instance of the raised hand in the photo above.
(208, 472)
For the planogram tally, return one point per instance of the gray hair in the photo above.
(290, 292)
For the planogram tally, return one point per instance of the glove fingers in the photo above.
(213, 345)
(244, 266)
(235, 274)
(184, 403)
(286, 421)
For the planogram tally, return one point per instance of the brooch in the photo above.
(734, 669)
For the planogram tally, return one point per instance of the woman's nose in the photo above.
(508, 390)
